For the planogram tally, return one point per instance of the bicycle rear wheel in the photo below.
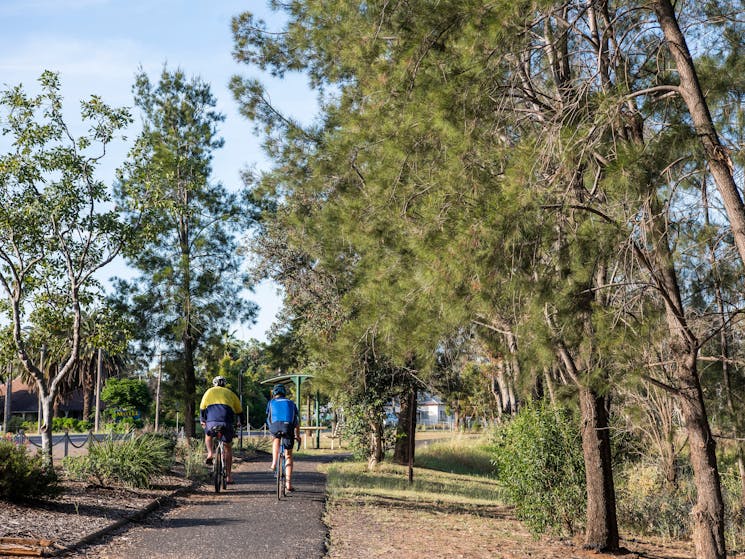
(279, 474)
(284, 474)
(224, 469)
(218, 469)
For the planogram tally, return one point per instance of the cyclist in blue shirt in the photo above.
(283, 420)
(220, 407)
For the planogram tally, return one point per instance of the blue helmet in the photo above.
(279, 390)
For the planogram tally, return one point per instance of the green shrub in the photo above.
(191, 454)
(15, 424)
(29, 426)
(84, 426)
(649, 506)
(22, 476)
(357, 433)
(538, 459)
(734, 512)
(133, 461)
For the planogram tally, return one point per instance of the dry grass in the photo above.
(444, 515)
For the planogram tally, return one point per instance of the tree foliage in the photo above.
(185, 251)
(57, 229)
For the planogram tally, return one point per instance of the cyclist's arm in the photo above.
(297, 423)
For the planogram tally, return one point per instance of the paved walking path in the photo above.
(246, 520)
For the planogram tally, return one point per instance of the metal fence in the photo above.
(65, 439)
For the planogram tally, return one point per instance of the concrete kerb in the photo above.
(134, 517)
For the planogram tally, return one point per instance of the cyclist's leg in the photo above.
(275, 451)
(208, 444)
(288, 467)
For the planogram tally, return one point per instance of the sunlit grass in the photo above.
(459, 455)
(452, 472)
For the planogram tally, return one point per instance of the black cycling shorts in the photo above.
(227, 430)
(285, 431)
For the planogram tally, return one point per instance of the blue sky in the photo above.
(97, 47)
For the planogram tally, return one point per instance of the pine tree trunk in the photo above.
(190, 388)
(708, 513)
(401, 450)
(601, 530)
(376, 444)
(602, 526)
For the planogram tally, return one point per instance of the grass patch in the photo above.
(459, 455)
(453, 472)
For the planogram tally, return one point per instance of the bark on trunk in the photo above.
(601, 530)
(708, 513)
(45, 431)
(376, 444)
(190, 388)
(401, 450)
(86, 404)
(602, 525)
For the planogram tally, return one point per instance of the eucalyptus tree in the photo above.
(57, 230)
(186, 251)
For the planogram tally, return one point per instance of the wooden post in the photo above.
(98, 391)
(412, 411)
(157, 393)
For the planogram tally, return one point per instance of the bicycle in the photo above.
(219, 471)
(281, 473)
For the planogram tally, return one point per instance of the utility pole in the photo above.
(240, 396)
(98, 390)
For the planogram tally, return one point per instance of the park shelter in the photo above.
(296, 380)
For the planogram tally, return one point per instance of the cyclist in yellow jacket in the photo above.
(220, 407)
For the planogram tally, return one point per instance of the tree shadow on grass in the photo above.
(504, 512)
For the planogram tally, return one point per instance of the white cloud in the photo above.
(75, 58)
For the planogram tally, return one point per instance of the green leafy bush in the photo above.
(15, 424)
(538, 459)
(71, 424)
(133, 461)
(22, 476)
(357, 430)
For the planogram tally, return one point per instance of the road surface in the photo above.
(246, 520)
